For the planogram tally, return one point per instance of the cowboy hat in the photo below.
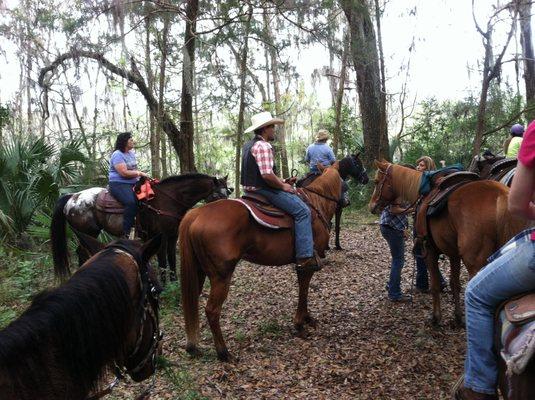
(263, 119)
(322, 134)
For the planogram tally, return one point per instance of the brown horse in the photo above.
(349, 166)
(213, 238)
(473, 225)
(173, 197)
(105, 317)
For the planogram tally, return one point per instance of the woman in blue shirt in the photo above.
(123, 176)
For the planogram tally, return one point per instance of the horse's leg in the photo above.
(337, 218)
(302, 316)
(83, 254)
(171, 257)
(219, 287)
(162, 262)
(455, 283)
(431, 260)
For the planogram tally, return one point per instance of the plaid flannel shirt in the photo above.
(263, 154)
(398, 222)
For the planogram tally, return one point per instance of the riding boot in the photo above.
(310, 264)
(462, 393)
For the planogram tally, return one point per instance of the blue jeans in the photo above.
(510, 274)
(396, 243)
(293, 205)
(124, 193)
(422, 278)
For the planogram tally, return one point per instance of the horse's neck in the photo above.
(190, 191)
(329, 185)
(406, 183)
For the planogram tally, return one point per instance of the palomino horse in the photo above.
(104, 317)
(214, 237)
(173, 197)
(351, 165)
(473, 225)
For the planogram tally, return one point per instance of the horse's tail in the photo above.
(58, 238)
(189, 278)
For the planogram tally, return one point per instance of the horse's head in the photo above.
(143, 340)
(220, 190)
(352, 166)
(383, 192)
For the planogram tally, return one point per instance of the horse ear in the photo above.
(336, 165)
(226, 177)
(320, 167)
(150, 248)
(89, 243)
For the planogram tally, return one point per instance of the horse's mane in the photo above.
(186, 176)
(406, 182)
(76, 329)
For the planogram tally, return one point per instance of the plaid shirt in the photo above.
(522, 237)
(263, 154)
(398, 222)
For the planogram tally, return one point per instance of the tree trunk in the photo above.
(281, 148)
(187, 158)
(365, 60)
(243, 73)
(524, 10)
(384, 123)
(161, 92)
(154, 142)
(340, 96)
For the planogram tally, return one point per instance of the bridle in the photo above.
(148, 309)
(384, 181)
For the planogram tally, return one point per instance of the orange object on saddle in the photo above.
(144, 191)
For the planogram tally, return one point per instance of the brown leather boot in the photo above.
(311, 264)
(462, 393)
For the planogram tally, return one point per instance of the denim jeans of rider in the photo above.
(396, 242)
(506, 276)
(123, 193)
(293, 205)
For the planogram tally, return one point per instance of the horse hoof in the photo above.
(224, 356)
(193, 351)
(458, 322)
(435, 322)
(338, 248)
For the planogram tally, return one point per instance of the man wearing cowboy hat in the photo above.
(320, 152)
(258, 174)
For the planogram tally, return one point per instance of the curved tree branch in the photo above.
(133, 75)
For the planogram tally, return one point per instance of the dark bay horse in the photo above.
(351, 165)
(105, 315)
(214, 237)
(474, 224)
(173, 197)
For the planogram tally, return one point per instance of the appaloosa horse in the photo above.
(472, 226)
(351, 165)
(173, 197)
(214, 237)
(104, 318)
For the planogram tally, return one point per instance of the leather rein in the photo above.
(148, 306)
(307, 200)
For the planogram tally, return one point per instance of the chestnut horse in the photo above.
(471, 228)
(214, 237)
(104, 317)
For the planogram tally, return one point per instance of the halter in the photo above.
(148, 305)
(386, 174)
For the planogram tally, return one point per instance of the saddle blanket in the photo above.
(518, 344)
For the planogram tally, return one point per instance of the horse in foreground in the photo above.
(104, 317)
(351, 165)
(213, 238)
(472, 226)
(173, 197)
